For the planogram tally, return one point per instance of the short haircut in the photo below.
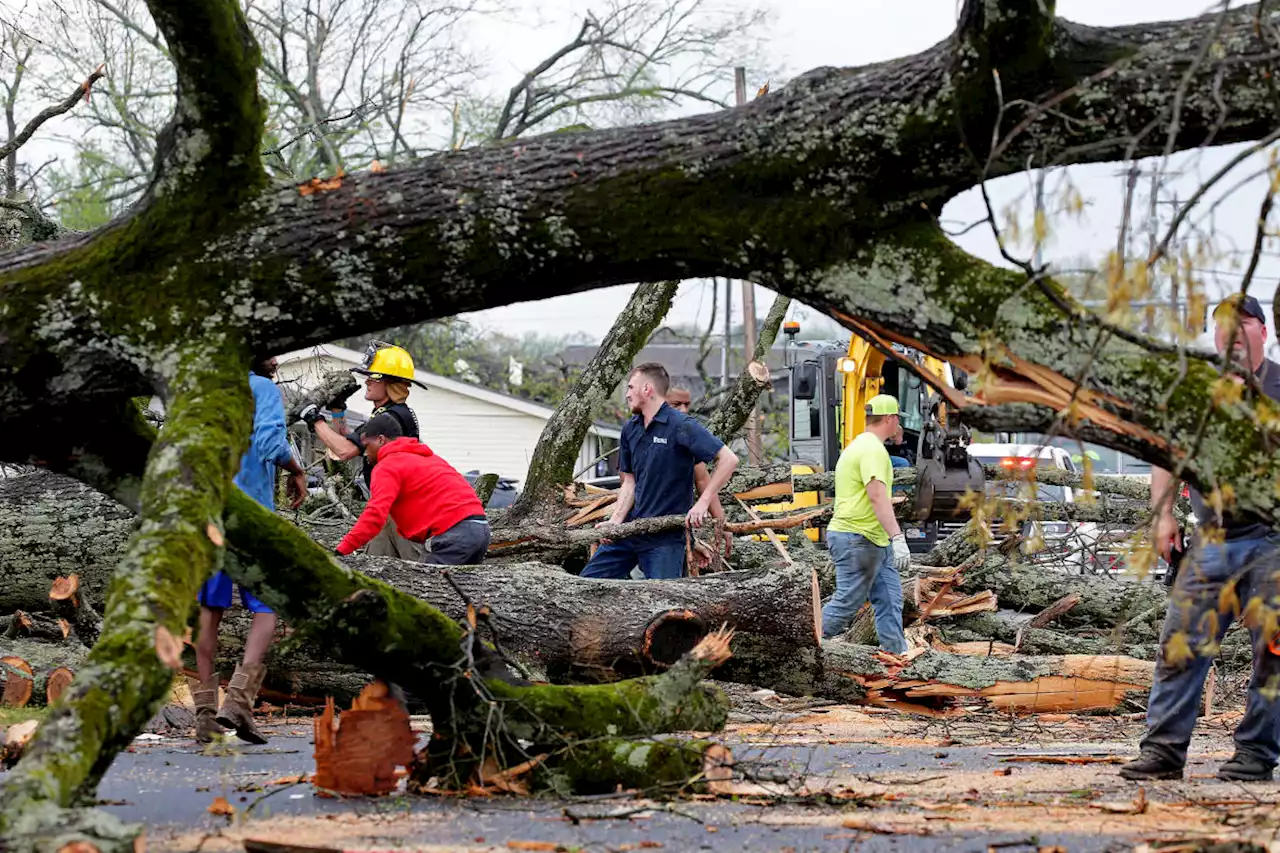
(384, 425)
(872, 420)
(656, 374)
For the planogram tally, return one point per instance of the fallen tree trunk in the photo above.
(1005, 629)
(768, 482)
(579, 629)
(562, 626)
(52, 526)
(1104, 603)
(936, 683)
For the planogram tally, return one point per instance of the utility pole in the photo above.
(755, 451)
(728, 328)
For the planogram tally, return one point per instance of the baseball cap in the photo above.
(1247, 306)
(882, 404)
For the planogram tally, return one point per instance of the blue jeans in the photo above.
(865, 569)
(1254, 565)
(616, 559)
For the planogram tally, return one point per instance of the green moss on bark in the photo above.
(662, 766)
(124, 680)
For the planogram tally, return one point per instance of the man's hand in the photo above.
(1164, 533)
(698, 514)
(297, 489)
(608, 522)
(310, 414)
(901, 553)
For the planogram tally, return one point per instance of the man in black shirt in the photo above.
(1235, 559)
(388, 370)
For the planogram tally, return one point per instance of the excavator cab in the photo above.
(831, 383)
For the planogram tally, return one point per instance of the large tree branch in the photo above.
(209, 151)
(733, 412)
(813, 190)
(64, 106)
(130, 670)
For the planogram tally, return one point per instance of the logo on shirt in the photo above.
(657, 440)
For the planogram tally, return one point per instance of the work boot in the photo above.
(1244, 767)
(237, 706)
(205, 696)
(1149, 765)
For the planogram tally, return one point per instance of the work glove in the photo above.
(310, 414)
(901, 553)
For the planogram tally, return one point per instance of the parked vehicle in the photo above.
(504, 494)
(1061, 542)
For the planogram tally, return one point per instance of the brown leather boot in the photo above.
(237, 706)
(205, 696)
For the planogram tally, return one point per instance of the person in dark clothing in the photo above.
(656, 457)
(425, 496)
(1235, 560)
(389, 371)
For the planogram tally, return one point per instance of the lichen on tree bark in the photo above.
(814, 190)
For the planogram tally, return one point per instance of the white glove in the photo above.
(901, 553)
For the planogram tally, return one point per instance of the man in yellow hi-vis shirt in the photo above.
(866, 543)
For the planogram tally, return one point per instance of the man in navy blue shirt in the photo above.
(656, 457)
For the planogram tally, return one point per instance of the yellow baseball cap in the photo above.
(882, 404)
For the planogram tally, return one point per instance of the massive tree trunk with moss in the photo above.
(827, 190)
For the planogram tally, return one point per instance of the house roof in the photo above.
(444, 383)
(680, 360)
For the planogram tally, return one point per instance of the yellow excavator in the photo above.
(831, 382)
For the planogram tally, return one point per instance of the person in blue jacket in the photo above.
(268, 450)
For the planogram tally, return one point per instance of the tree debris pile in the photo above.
(559, 627)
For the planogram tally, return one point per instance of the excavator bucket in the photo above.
(940, 487)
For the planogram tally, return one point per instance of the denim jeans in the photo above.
(865, 569)
(1254, 565)
(616, 559)
(464, 544)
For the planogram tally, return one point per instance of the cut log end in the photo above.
(14, 741)
(717, 769)
(715, 646)
(672, 634)
(759, 372)
(19, 681)
(58, 682)
(359, 751)
(66, 589)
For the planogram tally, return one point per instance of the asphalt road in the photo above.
(168, 785)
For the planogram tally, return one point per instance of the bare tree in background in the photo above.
(632, 60)
(348, 82)
(358, 80)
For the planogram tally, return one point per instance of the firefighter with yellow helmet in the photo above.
(388, 372)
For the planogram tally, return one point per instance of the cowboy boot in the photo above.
(205, 696)
(237, 706)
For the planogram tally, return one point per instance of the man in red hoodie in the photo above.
(423, 494)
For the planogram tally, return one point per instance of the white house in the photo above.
(471, 427)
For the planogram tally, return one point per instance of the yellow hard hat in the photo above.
(387, 361)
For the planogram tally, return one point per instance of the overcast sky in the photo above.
(811, 33)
